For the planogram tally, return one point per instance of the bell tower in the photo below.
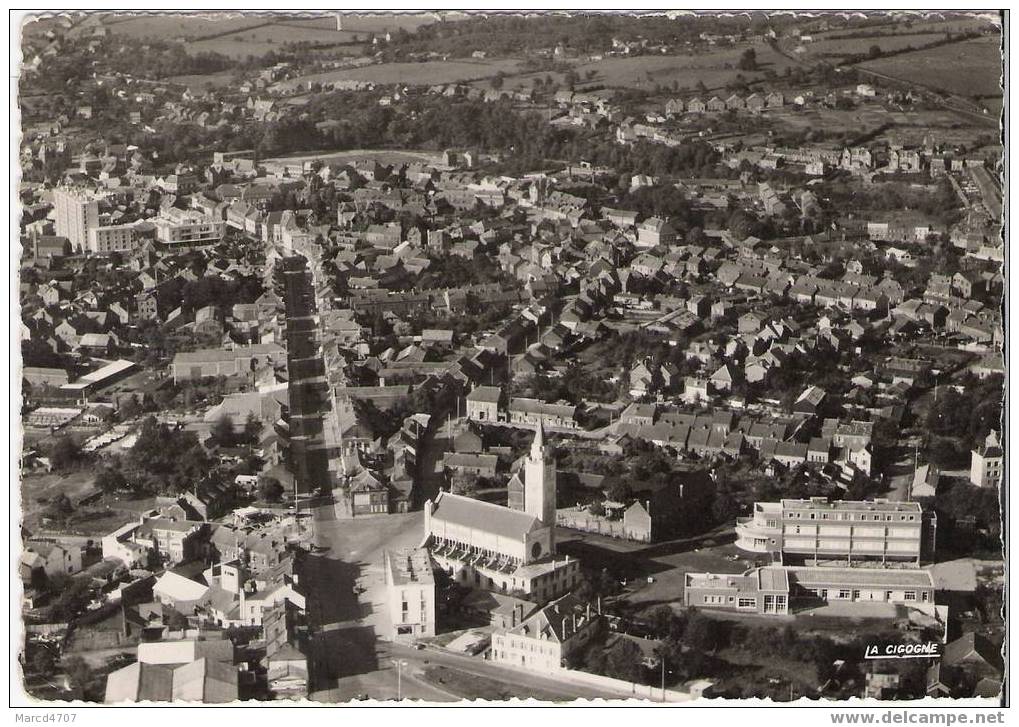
(540, 480)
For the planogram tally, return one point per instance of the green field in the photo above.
(969, 68)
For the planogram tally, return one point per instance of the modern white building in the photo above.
(771, 590)
(77, 211)
(842, 531)
(188, 228)
(410, 588)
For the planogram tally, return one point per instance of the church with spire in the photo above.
(504, 549)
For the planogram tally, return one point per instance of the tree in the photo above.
(60, 508)
(702, 632)
(624, 662)
(64, 453)
(223, 431)
(252, 429)
(748, 61)
(874, 51)
(596, 508)
(620, 491)
(270, 489)
(111, 479)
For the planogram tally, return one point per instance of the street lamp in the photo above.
(400, 663)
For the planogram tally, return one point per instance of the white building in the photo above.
(111, 238)
(492, 547)
(77, 211)
(987, 463)
(410, 588)
(185, 228)
(541, 642)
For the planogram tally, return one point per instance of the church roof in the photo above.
(485, 516)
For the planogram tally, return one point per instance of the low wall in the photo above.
(624, 689)
(588, 523)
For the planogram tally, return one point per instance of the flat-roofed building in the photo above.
(77, 211)
(848, 531)
(410, 587)
(774, 589)
(188, 228)
(111, 238)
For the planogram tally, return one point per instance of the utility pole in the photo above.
(662, 659)
(400, 663)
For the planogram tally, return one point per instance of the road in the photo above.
(381, 683)
(349, 620)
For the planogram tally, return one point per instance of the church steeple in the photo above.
(538, 443)
(540, 479)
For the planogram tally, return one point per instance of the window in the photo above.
(856, 595)
(747, 603)
(844, 594)
(909, 595)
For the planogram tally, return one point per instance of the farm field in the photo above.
(841, 47)
(714, 69)
(196, 83)
(969, 68)
(369, 23)
(174, 25)
(431, 72)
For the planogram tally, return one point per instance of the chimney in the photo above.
(588, 611)
(599, 605)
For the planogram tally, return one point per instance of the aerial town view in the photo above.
(370, 358)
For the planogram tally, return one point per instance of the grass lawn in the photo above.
(472, 686)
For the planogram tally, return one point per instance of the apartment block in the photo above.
(187, 228)
(844, 531)
(410, 587)
(111, 238)
(77, 211)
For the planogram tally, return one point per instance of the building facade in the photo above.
(817, 531)
(410, 587)
(77, 212)
(987, 463)
(772, 590)
(111, 238)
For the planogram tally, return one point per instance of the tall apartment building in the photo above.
(410, 587)
(77, 212)
(987, 464)
(818, 531)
